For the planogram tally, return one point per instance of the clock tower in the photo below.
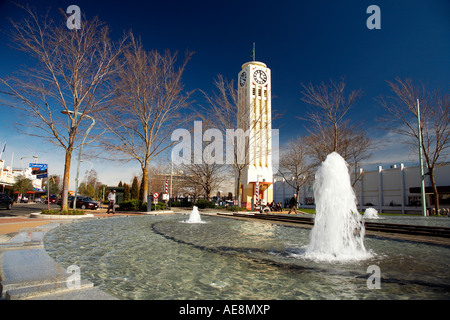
(255, 118)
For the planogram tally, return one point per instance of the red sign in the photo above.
(156, 195)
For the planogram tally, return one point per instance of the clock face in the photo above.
(260, 76)
(243, 78)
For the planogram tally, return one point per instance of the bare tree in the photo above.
(225, 115)
(205, 170)
(434, 125)
(354, 146)
(295, 168)
(332, 107)
(208, 176)
(330, 130)
(148, 99)
(70, 77)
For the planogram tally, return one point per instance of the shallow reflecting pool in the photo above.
(159, 257)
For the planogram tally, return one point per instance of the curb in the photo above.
(27, 272)
(37, 215)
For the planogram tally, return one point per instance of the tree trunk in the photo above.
(238, 188)
(335, 141)
(65, 190)
(144, 183)
(435, 192)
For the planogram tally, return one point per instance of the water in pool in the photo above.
(161, 257)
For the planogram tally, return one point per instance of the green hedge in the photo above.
(69, 212)
(203, 204)
(138, 205)
(183, 204)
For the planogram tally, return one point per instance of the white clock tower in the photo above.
(254, 110)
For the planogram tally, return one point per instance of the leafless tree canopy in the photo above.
(148, 98)
(223, 113)
(330, 108)
(295, 167)
(71, 75)
(329, 129)
(434, 124)
(208, 173)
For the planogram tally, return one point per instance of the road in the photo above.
(24, 209)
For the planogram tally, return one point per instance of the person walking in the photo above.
(293, 204)
(112, 201)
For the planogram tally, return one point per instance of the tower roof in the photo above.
(258, 63)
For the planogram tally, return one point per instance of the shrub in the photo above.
(138, 205)
(69, 212)
(203, 203)
(131, 205)
(183, 203)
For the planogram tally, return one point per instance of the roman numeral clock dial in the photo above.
(260, 77)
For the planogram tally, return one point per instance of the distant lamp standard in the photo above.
(23, 168)
(79, 152)
(89, 171)
(422, 176)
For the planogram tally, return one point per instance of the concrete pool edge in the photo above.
(27, 272)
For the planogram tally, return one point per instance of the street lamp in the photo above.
(67, 112)
(23, 168)
(92, 165)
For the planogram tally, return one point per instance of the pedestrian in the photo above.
(293, 204)
(279, 206)
(112, 201)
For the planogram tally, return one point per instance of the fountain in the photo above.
(157, 257)
(235, 259)
(338, 232)
(194, 216)
(371, 213)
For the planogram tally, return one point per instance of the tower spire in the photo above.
(254, 52)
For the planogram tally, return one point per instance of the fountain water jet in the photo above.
(194, 217)
(371, 213)
(338, 232)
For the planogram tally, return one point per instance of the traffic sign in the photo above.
(40, 166)
(156, 195)
(40, 176)
(37, 171)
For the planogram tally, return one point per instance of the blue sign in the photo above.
(41, 166)
(40, 176)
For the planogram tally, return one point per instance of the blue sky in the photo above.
(300, 41)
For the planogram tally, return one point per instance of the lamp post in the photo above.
(86, 177)
(422, 176)
(23, 168)
(79, 152)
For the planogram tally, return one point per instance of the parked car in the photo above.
(5, 201)
(52, 197)
(59, 201)
(84, 203)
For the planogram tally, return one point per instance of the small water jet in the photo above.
(338, 232)
(371, 213)
(194, 216)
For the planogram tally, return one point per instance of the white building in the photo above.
(395, 189)
(8, 177)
